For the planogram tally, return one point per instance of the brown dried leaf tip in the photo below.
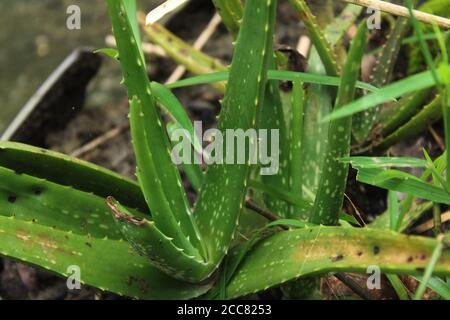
(119, 215)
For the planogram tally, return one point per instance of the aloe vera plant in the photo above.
(56, 211)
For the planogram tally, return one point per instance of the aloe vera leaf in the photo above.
(194, 60)
(192, 170)
(222, 195)
(68, 171)
(330, 194)
(150, 242)
(231, 12)
(158, 176)
(110, 265)
(318, 104)
(289, 197)
(271, 117)
(336, 30)
(399, 113)
(323, 47)
(303, 252)
(314, 137)
(385, 162)
(430, 114)
(130, 8)
(364, 122)
(32, 199)
(296, 128)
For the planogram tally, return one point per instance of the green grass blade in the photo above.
(403, 182)
(423, 45)
(388, 93)
(173, 106)
(437, 285)
(429, 269)
(398, 286)
(280, 75)
(393, 209)
(385, 162)
(110, 265)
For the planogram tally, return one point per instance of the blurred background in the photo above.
(34, 40)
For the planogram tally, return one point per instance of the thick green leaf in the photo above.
(231, 12)
(222, 195)
(108, 264)
(323, 47)
(297, 253)
(330, 194)
(158, 176)
(364, 122)
(68, 171)
(64, 208)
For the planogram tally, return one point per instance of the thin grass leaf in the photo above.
(403, 182)
(429, 269)
(385, 162)
(388, 93)
(173, 106)
(437, 285)
(393, 209)
(280, 75)
(398, 286)
(423, 45)
(364, 122)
